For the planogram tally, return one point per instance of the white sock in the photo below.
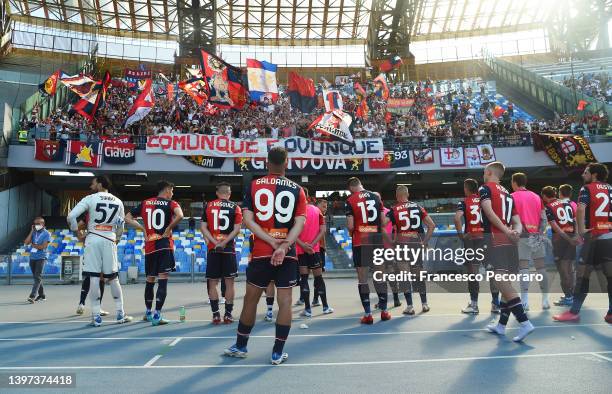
(544, 283)
(117, 294)
(524, 285)
(94, 295)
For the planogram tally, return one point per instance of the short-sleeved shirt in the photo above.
(503, 207)
(275, 202)
(597, 199)
(407, 218)
(314, 221)
(572, 204)
(561, 212)
(220, 217)
(367, 210)
(157, 213)
(106, 215)
(39, 238)
(470, 206)
(529, 207)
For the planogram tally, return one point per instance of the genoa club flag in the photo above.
(566, 150)
(119, 153)
(49, 87)
(88, 105)
(47, 150)
(302, 93)
(81, 85)
(452, 156)
(84, 154)
(225, 83)
(196, 89)
(397, 158)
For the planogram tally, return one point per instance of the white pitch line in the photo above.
(602, 357)
(288, 365)
(152, 361)
(177, 340)
(355, 334)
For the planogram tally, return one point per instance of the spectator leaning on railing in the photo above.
(38, 240)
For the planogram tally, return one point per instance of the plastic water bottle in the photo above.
(182, 314)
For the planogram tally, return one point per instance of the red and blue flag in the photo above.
(302, 95)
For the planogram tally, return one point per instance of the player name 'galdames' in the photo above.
(276, 181)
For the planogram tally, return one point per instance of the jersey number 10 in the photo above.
(156, 218)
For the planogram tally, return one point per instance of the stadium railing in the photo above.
(549, 93)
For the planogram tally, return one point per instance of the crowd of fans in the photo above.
(468, 117)
(598, 86)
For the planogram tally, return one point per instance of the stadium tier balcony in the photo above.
(589, 76)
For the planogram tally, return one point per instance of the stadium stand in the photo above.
(473, 112)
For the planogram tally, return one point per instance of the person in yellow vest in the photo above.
(22, 136)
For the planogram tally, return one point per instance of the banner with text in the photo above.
(399, 105)
(297, 147)
(246, 164)
(206, 162)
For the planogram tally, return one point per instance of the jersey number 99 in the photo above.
(280, 206)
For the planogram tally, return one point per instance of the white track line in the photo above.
(315, 317)
(602, 357)
(288, 365)
(153, 360)
(177, 340)
(356, 334)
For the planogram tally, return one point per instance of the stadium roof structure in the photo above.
(292, 22)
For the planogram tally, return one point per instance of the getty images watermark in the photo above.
(410, 255)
